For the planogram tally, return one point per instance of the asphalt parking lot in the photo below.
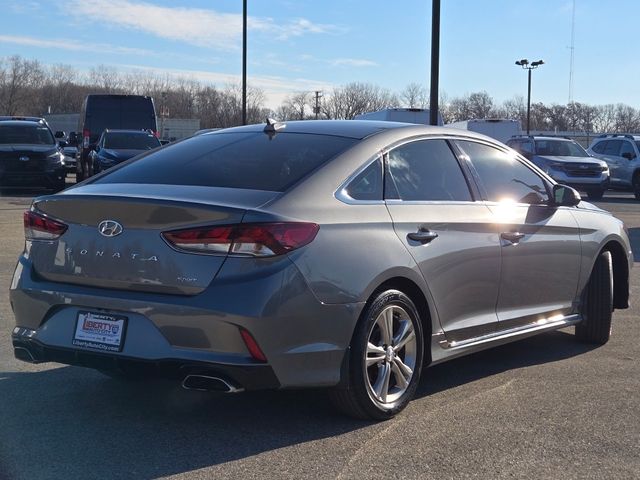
(544, 407)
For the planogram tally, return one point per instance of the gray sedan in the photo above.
(347, 255)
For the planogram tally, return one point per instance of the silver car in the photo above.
(340, 254)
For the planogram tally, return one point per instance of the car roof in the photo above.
(357, 129)
(141, 132)
(542, 137)
(5, 118)
(24, 123)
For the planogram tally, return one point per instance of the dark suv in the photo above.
(565, 161)
(101, 112)
(30, 155)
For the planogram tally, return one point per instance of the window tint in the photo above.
(560, 148)
(526, 147)
(233, 160)
(503, 177)
(130, 140)
(427, 170)
(25, 134)
(613, 147)
(627, 147)
(367, 185)
(600, 147)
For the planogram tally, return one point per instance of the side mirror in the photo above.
(628, 155)
(96, 148)
(59, 134)
(564, 196)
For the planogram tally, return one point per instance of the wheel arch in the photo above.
(620, 273)
(418, 297)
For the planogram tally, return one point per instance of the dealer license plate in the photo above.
(100, 331)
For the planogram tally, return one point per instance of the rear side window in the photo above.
(367, 185)
(627, 147)
(600, 147)
(503, 177)
(251, 161)
(427, 170)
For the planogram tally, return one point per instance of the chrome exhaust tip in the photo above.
(208, 383)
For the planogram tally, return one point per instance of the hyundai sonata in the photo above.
(340, 254)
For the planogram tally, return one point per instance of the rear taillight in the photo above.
(258, 239)
(254, 349)
(39, 227)
(86, 137)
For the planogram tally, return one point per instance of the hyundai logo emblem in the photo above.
(109, 228)
(24, 158)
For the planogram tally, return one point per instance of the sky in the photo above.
(307, 45)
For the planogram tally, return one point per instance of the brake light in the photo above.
(86, 137)
(257, 240)
(39, 227)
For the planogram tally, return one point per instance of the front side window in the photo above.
(613, 148)
(427, 170)
(504, 178)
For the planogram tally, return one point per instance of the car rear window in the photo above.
(248, 160)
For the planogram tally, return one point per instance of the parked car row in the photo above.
(612, 161)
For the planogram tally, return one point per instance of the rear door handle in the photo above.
(422, 236)
(513, 237)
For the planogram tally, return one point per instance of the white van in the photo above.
(499, 128)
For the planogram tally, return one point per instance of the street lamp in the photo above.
(524, 63)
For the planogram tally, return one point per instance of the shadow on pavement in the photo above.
(74, 423)
(544, 348)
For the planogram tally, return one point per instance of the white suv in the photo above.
(565, 161)
(622, 154)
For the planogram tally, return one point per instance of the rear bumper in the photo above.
(247, 377)
(303, 339)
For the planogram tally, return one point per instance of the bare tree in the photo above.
(415, 95)
(295, 106)
(356, 98)
(19, 80)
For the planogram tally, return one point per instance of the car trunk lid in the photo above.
(114, 236)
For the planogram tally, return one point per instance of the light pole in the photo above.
(244, 62)
(524, 63)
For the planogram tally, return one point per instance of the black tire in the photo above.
(597, 303)
(595, 194)
(636, 186)
(358, 398)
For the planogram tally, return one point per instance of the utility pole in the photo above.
(316, 109)
(244, 62)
